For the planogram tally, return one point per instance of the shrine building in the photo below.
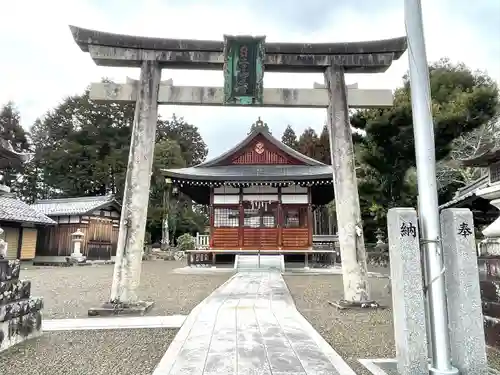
(262, 195)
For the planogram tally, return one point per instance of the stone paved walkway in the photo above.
(250, 326)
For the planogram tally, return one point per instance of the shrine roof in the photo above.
(86, 37)
(252, 173)
(222, 169)
(487, 155)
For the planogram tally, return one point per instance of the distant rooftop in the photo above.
(74, 206)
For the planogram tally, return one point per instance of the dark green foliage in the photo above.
(12, 131)
(461, 102)
(289, 138)
(81, 149)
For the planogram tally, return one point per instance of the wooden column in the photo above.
(211, 217)
(280, 220)
(309, 217)
(127, 271)
(241, 221)
(350, 229)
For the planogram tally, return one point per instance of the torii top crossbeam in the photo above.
(110, 49)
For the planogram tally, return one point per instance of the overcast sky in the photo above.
(41, 64)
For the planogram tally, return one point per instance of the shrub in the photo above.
(185, 242)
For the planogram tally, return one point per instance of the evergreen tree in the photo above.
(193, 148)
(289, 138)
(81, 149)
(323, 152)
(308, 143)
(461, 102)
(12, 131)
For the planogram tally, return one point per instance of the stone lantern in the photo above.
(77, 239)
(3, 246)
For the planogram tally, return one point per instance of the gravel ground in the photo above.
(69, 292)
(354, 334)
(109, 352)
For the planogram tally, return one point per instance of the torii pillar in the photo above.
(129, 250)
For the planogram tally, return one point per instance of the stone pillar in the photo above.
(20, 314)
(407, 292)
(350, 230)
(130, 244)
(468, 348)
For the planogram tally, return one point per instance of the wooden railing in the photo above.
(202, 241)
(328, 242)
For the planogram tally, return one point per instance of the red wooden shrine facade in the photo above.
(261, 194)
(261, 218)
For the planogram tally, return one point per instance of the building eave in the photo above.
(259, 173)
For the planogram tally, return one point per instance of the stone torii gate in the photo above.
(243, 61)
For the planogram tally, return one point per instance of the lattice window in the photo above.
(260, 217)
(295, 217)
(225, 217)
(251, 218)
(495, 172)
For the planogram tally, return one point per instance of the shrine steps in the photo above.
(266, 262)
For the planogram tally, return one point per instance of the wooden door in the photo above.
(12, 238)
(260, 226)
(28, 243)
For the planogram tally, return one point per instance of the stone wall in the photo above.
(20, 314)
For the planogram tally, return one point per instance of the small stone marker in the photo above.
(468, 349)
(407, 292)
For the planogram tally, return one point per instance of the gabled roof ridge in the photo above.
(283, 147)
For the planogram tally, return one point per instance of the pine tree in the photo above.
(308, 143)
(323, 151)
(289, 138)
(12, 131)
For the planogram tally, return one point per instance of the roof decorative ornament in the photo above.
(259, 148)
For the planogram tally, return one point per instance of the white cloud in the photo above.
(43, 64)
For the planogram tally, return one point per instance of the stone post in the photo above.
(350, 230)
(407, 292)
(130, 244)
(468, 348)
